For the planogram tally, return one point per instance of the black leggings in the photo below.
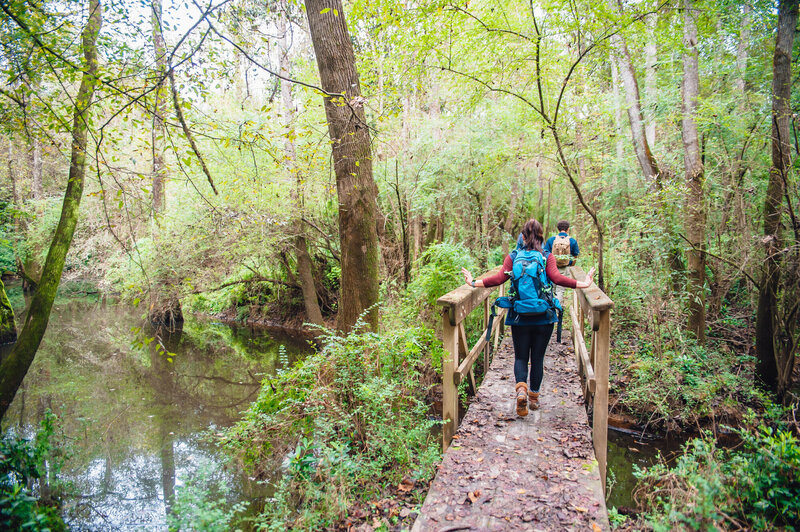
(530, 343)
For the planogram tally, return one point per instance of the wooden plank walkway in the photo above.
(503, 472)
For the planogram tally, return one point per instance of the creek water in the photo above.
(626, 451)
(138, 424)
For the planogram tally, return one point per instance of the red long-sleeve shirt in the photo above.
(551, 269)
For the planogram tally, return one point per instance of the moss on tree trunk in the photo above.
(352, 162)
(14, 368)
(8, 329)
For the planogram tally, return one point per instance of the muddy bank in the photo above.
(294, 325)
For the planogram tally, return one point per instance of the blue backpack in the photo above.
(532, 293)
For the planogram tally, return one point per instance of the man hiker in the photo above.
(565, 248)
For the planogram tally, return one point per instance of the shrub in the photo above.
(25, 463)
(672, 381)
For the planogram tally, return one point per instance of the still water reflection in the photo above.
(133, 417)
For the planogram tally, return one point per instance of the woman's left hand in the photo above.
(467, 276)
(587, 281)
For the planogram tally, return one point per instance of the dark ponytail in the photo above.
(533, 235)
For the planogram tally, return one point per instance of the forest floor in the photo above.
(503, 472)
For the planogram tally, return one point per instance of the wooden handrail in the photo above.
(459, 358)
(592, 298)
(464, 299)
(594, 304)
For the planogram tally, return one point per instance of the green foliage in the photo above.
(439, 272)
(616, 519)
(360, 411)
(201, 505)
(757, 487)
(26, 463)
(9, 240)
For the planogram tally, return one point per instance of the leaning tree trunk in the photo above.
(352, 160)
(647, 160)
(695, 196)
(36, 169)
(14, 368)
(306, 277)
(772, 360)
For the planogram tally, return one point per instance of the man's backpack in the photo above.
(561, 249)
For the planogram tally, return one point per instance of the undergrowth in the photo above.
(756, 487)
(677, 383)
(346, 425)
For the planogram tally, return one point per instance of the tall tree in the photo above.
(165, 306)
(14, 368)
(303, 259)
(650, 79)
(159, 107)
(36, 169)
(641, 147)
(774, 366)
(352, 161)
(695, 221)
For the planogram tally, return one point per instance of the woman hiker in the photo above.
(530, 334)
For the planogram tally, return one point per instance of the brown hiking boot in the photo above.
(533, 400)
(522, 399)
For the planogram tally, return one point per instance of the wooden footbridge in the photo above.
(546, 471)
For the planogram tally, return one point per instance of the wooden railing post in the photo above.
(600, 422)
(487, 307)
(449, 390)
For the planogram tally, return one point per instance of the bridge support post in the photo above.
(601, 345)
(449, 390)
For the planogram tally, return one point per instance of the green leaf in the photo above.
(324, 11)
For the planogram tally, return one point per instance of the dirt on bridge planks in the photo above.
(503, 472)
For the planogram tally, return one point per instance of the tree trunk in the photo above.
(772, 360)
(36, 170)
(617, 107)
(165, 304)
(14, 368)
(416, 236)
(304, 265)
(12, 177)
(695, 195)
(650, 80)
(742, 47)
(352, 159)
(548, 221)
(486, 215)
(508, 226)
(160, 109)
(733, 200)
(647, 161)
